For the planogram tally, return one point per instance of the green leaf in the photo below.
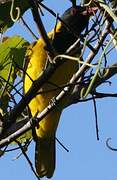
(18, 50)
(12, 53)
(5, 18)
(24, 137)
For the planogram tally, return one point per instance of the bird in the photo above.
(61, 38)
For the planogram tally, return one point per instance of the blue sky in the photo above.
(87, 158)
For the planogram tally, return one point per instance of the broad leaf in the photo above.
(12, 53)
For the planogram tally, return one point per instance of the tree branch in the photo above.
(76, 98)
(42, 31)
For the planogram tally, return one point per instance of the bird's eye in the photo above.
(74, 11)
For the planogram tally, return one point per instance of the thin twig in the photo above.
(62, 144)
(27, 158)
(29, 29)
(7, 81)
(42, 31)
(96, 118)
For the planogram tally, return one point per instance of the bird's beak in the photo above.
(90, 11)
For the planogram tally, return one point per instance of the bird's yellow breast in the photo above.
(63, 73)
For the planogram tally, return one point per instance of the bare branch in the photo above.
(96, 118)
(75, 97)
(42, 31)
(27, 158)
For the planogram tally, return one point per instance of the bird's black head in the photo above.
(77, 18)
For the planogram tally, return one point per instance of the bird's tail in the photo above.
(45, 157)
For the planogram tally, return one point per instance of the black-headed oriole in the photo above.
(63, 38)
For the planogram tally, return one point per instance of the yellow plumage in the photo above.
(61, 38)
(37, 63)
(61, 76)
